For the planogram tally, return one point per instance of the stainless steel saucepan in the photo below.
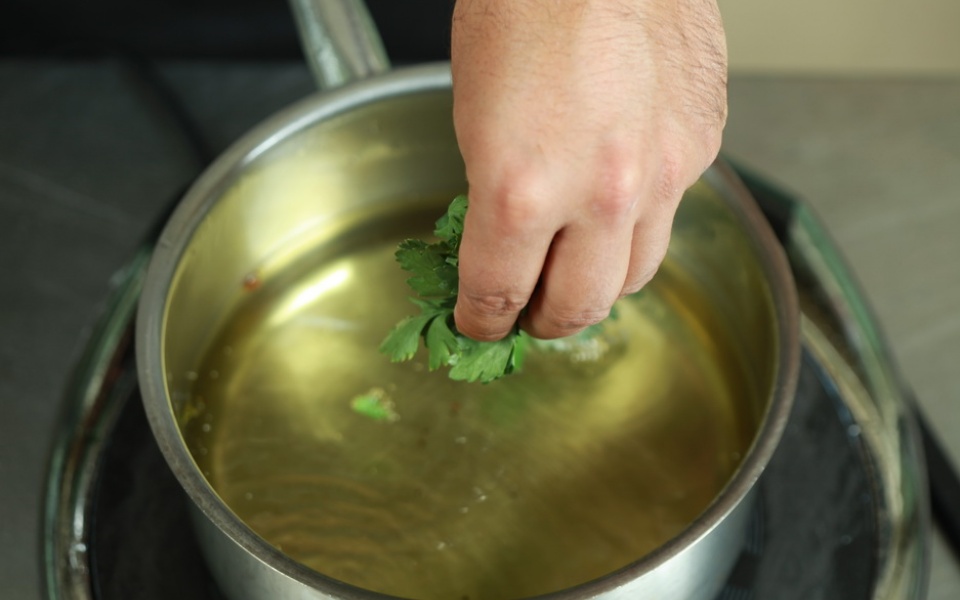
(620, 467)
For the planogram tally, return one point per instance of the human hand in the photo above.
(581, 123)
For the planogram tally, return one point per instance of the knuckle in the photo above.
(672, 169)
(494, 305)
(487, 317)
(482, 335)
(561, 322)
(521, 199)
(619, 185)
(673, 178)
(705, 139)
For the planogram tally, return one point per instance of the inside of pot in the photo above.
(591, 457)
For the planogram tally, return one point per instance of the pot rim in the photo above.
(208, 188)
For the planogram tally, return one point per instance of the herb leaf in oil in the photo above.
(434, 279)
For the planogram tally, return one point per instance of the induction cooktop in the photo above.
(841, 511)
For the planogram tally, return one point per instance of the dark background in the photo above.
(412, 30)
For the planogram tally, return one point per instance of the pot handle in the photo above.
(340, 41)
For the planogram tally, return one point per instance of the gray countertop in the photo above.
(879, 161)
(89, 159)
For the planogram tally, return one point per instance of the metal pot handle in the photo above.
(340, 41)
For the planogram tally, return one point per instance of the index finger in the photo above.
(502, 253)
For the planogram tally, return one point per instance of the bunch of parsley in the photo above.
(435, 279)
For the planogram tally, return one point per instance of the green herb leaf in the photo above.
(442, 343)
(449, 227)
(519, 352)
(435, 280)
(432, 275)
(483, 361)
(376, 405)
(402, 342)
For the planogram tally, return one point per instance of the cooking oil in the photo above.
(584, 462)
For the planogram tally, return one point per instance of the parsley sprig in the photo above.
(435, 280)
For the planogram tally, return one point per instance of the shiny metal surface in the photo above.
(95, 397)
(339, 41)
(389, 140)
(841, 331)
(390, 149)
(536, 477)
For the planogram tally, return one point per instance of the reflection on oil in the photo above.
(581, 464)
(309, 293)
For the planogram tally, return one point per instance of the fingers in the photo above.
(501, 257)
(558, 121)
(566, 279)
(589, 267)
(582, 278)
(649, 245)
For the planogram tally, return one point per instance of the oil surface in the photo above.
(584, 462)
